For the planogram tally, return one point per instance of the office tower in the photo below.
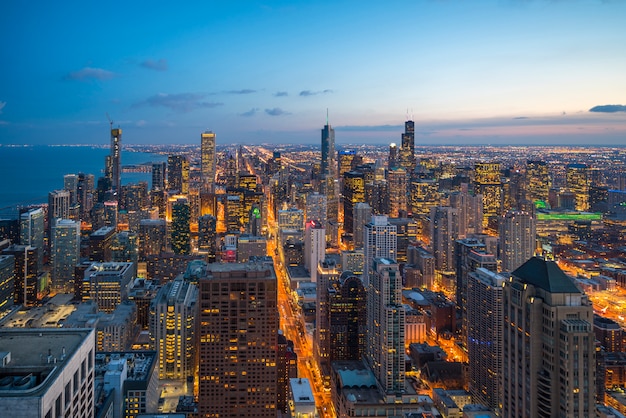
(85, 194)
(609, 334)
(577, 178)
(247, 181)
(347, 318)
(287, 368)
(178, 174)
(484, 336)
(100, 244)
(292, 219)
(406, 233)
(345, 162)
(58, 206)
(471, 254)
(353, 193)
(32, 227)
(10, 229)
(470, 211)
(250, 246)
(393, 156)
(386, 319)
(424, 195)
(181, 232)
(64, 252)
(330, 188)
(397, 181)
(207, 236)
(134, 196)
(316, 207)
(488, 183)
(275, 164)
(548, 350)
(328, 150)
(70, 183)
(159, 171)
(517, 239)
(49, 373)
(362, 214)
(26, 273)
(380, 240)
(424, 263)
(314, 247)
(407, 147)
(208, 161)
(444, 232)
(172, 325)
(116, 160)
(328, 273)
(538, 181)
(236, 340)
(125, 248)
(233, 213)
(111, 213)
(7, 282)
(107, 284)
(152, 237)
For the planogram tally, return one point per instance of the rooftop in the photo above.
(545, 275)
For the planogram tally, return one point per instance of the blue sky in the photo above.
(497, 72)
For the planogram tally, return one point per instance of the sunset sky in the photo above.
(480, 72)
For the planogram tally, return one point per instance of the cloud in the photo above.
(608, 108)
(281, 94)
(158, 65)
(2, 105)
(306, 93)
(370, 128)
(277, 111)
(242, 91)
(521, 117)
(180, 102)
(90, 73)
(141, 123)
(250, 112)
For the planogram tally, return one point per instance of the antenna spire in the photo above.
(326, 116)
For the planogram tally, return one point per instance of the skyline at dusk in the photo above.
(489, 72)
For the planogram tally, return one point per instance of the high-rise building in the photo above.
(488, 183)
(577, 178)
(100, 244)
(407, 148)
(181, 233)
(393, 156)
(107, 284)
(32, 227)
(484, 336)
(159, 171)
(85, 194)
(316, 207)
(7, 282)
(347, 318)
(70, 183)
(538, 181)
(58, 207)
(345, 162)
(470, 211)
(548, 350)
(386, 319)
(444, 232)
(178, 174)
(49, 372)
(116, 160)
(517, 238)
(208, 161)
(424, 195)
(152, 237)
(207, 236)
(236, 341)
(397, 181)
(314, 247)
(328, 150)
(327, 274)
(64, 253)
(353, 193)
(26, 273)
(380, 240)
(172, 325)
(362, 214)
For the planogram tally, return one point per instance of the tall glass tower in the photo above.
(207, 151)
(328, 149)
(116, 160)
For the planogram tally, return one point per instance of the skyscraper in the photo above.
(180, 227)
(208, 162)
(577, 177)
(380, 240)
(172, 325)
(397, 181)
(393, 156)
(347, 318)
(58, 207)
(386, 319)
(328, 150)
(116, 160)
(470, 211)
(314, 247)
(328, 273)
(517, 238)
(484, 335)
(537, 181)
(444, 232)
(236, 341)
(362, 215)
(178, 174)
(407, 148)
(7, 282)
(32, 227)
(158, 175)
(488, 183)
(548, 350)
(64, 253)
(353, 193)
(26, 273)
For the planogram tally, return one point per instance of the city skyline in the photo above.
(493, 72)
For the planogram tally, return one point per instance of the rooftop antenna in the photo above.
(110, 120)
(407, 114)
(326, 116)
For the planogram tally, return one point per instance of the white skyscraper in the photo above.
(380, 240)
(314, 247)
(517, 239)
